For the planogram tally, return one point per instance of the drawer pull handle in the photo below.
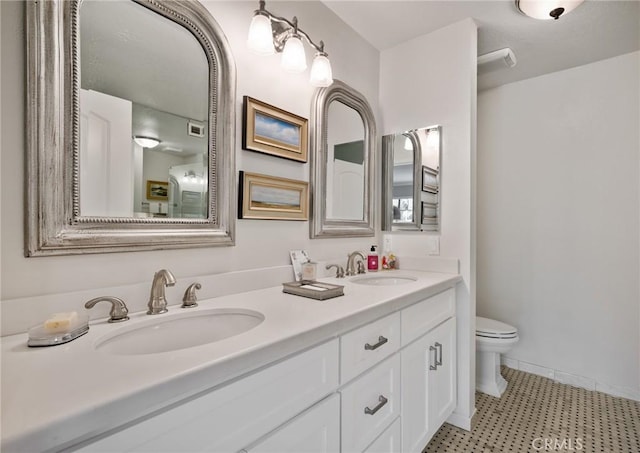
(381, 340)
(439, 361)
(382, 401)
(433, 367)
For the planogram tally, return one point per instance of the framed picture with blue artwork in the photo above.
(271, 130)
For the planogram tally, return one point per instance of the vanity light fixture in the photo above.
(547, 9)
(146, 142)
(269, 34)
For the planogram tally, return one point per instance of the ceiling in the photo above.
(596, 30)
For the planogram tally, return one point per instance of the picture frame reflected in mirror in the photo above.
(157, 190)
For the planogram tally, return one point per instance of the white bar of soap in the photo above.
(61, 322)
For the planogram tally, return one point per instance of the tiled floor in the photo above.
(538, 414)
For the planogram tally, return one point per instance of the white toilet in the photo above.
(492, 339)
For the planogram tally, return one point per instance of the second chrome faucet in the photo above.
(157, 301)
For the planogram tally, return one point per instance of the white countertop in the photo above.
(54, 397)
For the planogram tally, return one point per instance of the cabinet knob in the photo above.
(382, 401)
(381, 340)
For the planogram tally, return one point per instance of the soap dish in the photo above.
(39, 336)
(313, 289)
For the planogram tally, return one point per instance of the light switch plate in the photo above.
(433, 245)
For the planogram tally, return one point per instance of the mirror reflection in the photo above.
(143, 148)
(345, 163)
(411, 180)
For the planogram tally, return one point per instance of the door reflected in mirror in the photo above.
(403, 170)
(411, 180)
(345, 163)
(121, 101)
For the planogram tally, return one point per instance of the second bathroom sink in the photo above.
(383, 280)
(181, 331)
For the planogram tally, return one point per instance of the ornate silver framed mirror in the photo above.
(131, 127)
(343, 141)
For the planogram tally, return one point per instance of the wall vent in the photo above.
(195, 129)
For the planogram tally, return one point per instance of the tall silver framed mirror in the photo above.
(131, 113)
(343, 142)
(411, 177)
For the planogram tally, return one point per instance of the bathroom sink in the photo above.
(383, 280)
(164, 333)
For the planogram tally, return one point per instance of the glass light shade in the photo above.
(146, 142)
(260, 39)
(293, 56)
(541, 9)
(321, 74)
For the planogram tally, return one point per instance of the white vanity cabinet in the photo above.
(386, 386)
(429, 375)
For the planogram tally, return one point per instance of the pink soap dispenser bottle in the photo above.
(372, 260)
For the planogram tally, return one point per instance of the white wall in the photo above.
(427, 81)
(558, 220)
(259, 77)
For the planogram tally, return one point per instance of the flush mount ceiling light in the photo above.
(146, 142)
(547, 9)
(269, 34)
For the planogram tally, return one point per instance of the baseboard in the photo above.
(463, 421)
(572, 379)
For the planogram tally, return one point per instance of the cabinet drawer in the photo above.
(364, 347)
(230, 417)
(389, 440)
(317, 430)
(370, 404)
(418, 319)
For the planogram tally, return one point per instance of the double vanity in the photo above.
(373, 370)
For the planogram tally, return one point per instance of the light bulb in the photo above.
(260, 39)
(547, 9)
(321, 74)
(293, 57)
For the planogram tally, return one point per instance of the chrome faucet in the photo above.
(351, 263)
(157, 302)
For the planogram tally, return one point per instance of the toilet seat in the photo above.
(490, 328)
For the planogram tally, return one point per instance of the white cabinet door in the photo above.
(314, 431)
(428, 385)
(442, 385)
(416, 360)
